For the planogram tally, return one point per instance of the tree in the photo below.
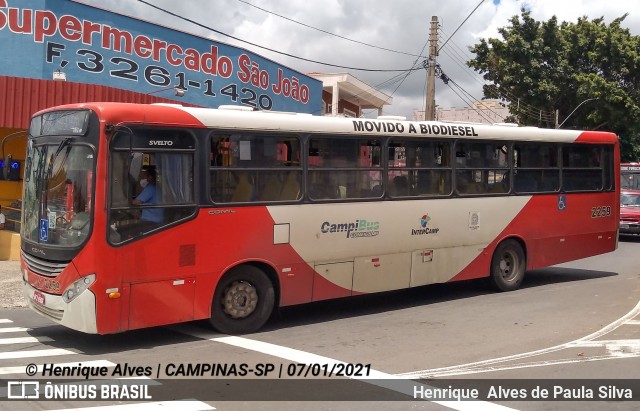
(544, 68)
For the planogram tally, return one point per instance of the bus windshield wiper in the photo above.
(52, 161)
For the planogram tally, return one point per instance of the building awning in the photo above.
(353, 90)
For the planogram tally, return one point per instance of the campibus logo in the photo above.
(355, 229)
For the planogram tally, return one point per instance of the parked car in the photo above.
(630, 212)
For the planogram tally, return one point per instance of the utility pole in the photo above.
(430, 99)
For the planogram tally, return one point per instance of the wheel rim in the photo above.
(240, 299)
(508, 265)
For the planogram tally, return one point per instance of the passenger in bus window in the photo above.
(502, 185)
(462, 181)
(400, 186)
(149, 196)
(423, 185)
(2, 219)
(323, 187)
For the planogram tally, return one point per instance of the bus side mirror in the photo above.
(6, 167)
(11, 169)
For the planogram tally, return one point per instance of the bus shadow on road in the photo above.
(93, 344)
(630, 238)
(308, 314)
(554, 275)
(331, 310)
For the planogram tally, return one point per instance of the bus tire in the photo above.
(243, 301)
(508, 266)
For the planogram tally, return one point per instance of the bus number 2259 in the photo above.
(602, 211)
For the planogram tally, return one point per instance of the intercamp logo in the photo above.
(424, 222)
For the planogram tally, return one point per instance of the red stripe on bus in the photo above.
(577, 233)
(596, 137)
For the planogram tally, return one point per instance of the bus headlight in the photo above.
(77, 288)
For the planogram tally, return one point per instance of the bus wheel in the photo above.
(508, 266)
(243, 301)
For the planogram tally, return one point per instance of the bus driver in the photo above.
(149, 196)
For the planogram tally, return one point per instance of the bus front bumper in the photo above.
(79, 314)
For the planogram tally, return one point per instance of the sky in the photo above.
(371, 34)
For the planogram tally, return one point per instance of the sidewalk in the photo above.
(11, 295)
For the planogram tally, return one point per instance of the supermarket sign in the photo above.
(94, 46)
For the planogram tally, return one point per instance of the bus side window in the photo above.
(244, 190)
(291, 189)
(419, 168)
(272, 187)
(343, 168)
(258, 169)
(165, 173)
(536, 168)
(582, 168)
(525, 181)
(322, 186)
(399, 186)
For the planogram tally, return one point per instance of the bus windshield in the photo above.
(57, 193)
(630, 176)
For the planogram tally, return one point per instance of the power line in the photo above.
(461, 24)
(327, 32)
(523, 108)
(414, 67)
(446, 79)
(470, 105)
(267, 48)
(449, 80)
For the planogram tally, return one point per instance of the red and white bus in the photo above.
(258, 210)
(630, 176)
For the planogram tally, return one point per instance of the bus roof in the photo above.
(179, 116)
